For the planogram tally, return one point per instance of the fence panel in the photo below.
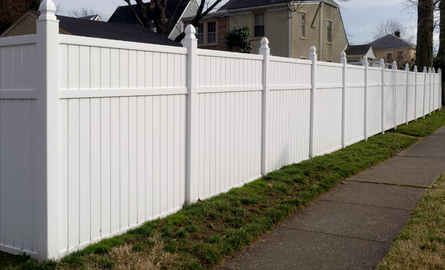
(354, 104)
(123, 149)
(411, 96)
(229, 103)
(427, 99)
(374, 101)
(289, 113)
(328, 108)
(420, 94)
(401, 97)
(18, 180)
(389, 100)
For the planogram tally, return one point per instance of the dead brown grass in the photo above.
(124, 258)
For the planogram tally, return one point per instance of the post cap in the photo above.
(264, 43)
(190, 32)
(47, 11)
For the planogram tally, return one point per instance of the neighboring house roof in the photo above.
(235, 4)
(97, 29)
(391, 41)
(92, 18)
(123, 14)
(360, 51)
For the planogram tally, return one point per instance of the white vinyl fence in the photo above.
(99, 136)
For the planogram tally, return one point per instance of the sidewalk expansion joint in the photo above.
(389, 184)
(372, 205)
(339, 235)
(398, 155)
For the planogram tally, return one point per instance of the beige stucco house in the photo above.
(292, 28)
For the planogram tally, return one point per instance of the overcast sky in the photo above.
(361, 17)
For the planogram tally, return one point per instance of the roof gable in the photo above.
(391, 41)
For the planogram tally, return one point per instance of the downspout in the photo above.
(320, 48)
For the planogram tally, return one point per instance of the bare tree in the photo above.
(11, 10)
(163, 23)
(83, 12)
(389, 26)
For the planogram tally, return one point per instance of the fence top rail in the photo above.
(204, 52)
(18, 40)
(290, 60)
(375, 69)
(355, 67)
(329, 64)
(118, 44)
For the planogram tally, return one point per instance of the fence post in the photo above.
(424, 90)
(382, 65)
(429, 89)
(312, 57)
(344, 61)
(265, 51)
(415, 94)
(47, 131)
(366, 65)
(394, 68)
(407, 92)
(191, 43)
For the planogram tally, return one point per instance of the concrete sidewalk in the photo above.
(353, 226)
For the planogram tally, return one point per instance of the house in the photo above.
(393, 48)
(211, 30)
(95, 17)
(26, 25)
(291, 27)
(355, 53)
(124, 14)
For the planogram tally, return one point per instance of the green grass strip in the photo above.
(201, 235)
(421, 244)
(423, 127)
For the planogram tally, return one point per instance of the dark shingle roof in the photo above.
(116, 31)
(391, 41)
(123, 14)
(357, 49)
(234, 4)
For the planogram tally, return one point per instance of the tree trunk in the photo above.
(441, 53)
(425, 27)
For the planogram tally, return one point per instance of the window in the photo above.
(329, 30)
(206, 33)
(211, 32)
(200, 33)
(303, 25)
(389, 57)
(259, 25)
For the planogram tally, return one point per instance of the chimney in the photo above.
(397, 33)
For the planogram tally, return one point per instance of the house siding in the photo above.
(301, 46)
(410, 53)
(276, 30)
